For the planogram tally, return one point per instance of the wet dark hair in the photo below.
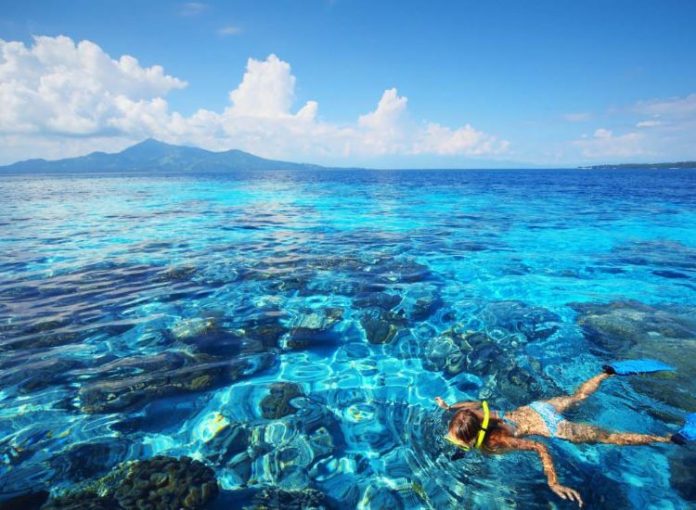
(465, 426)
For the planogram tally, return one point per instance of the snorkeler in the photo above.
(475, 426)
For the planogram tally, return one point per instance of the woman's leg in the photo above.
(584, 433)
(585, 390)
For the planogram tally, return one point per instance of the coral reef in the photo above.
(278, 402)
(160, 483)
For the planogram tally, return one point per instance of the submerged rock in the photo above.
(224, 344)
(82, 501)
(632, 330)
(209, 335)
(341, 488)
(160, 483)
(178, 273)
(323, 320)
(378, 498)
(71, 334)
(534, 322)
(190, 328)
(376, 299)
(402, 271)
(422, 300)
(682, 467)
(133, 365)
(277, 403)
(486, 359)
(166, 483)
(267, 331)
(285, 451)
(454, 352)
(507, 327)
(273, 497)
(233, 438)
(381, 326)
(313, 339)
(38, 374)
(674, 275)
(297, 283)
(668, 254)
(314, 331)
(42, 335)
(620, 325)
(322, 442)
(507, 371)
(425, 306)
(86, 460)
(29, 501)
(123, 393)
(519, 386)
(443, 354)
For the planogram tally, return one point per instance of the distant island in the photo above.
(155, 156)
(646, 166)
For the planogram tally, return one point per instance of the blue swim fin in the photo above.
(687, 432)
(637, 366)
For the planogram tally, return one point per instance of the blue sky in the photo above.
(409, 84)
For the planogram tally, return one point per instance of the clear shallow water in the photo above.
(153, 315)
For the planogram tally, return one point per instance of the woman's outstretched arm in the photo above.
(549, 470)
(458, 405)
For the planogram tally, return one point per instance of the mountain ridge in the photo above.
(155, 156)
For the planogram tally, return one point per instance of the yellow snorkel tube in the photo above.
(481, 434)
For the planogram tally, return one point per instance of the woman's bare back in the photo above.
(527, 422)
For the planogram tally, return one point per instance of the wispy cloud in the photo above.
(676, 107)
(604, 144)
(229, 30)
(192, 8)
(577, 117)
(649, 123)
(653, 129)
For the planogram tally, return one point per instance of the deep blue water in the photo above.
(155, 315)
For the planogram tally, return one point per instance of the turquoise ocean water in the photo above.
(292, 329)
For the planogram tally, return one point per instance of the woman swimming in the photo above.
(475, 426)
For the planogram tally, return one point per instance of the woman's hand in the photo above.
(566, 493)
(441, 403)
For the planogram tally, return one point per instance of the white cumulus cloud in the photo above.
(267, 90)
(59, 87)
(59, 97)
(388, 113)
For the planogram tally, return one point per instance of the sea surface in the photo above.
(291, 330)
